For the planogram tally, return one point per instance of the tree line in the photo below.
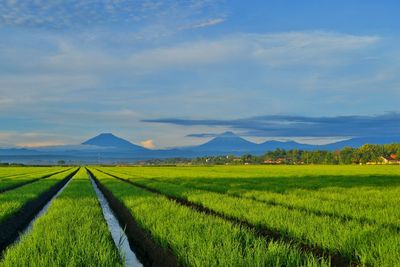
(366, 154)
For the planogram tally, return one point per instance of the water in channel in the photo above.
(117, 233)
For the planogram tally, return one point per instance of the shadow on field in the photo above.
(285, 184)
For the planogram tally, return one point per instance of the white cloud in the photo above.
(207, 23)
(5, 101)
(64, 84)
(69, 67)
(78, 14)
(148, 144)
(307, 48)
(272, 50)
(33, 139)
(39, 144)
(109, 117)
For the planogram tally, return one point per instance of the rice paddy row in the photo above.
(212, 216)
(198, 239)
(71, 233)
(371, 205)
(22, 179)
(10, 172)
(367, 244)
(11, 201)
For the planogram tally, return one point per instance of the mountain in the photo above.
(272, 145)
(227, 142)
(18, 151)
(108, 148)
(230, 143)
(353, 142)
(359, 141)
(112, 141)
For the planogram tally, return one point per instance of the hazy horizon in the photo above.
(150, 145)
(170, 73)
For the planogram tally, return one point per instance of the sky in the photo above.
(176, 73)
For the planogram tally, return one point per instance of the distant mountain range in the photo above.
(229, 142)
(108, 148)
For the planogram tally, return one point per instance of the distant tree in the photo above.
(398, 153)
(370, 153)
(364, 154)
(305, 157)
(295, 156)
(61, 162)
(330, 158)
(347, 155)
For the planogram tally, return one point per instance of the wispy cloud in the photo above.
(80, 14)
(33, 139)
(203, 135)
(63, 65)
(106, 64)
(271, 50)
(65, 81)
(206, 23)
(300, 126)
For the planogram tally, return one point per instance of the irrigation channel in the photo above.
(148, 251)
(117, 233)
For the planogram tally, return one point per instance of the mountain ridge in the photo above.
(226, 141)
(112, 149)
(110, 140)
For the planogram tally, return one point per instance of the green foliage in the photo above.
(202, 240)
(72, 233)
(355, 213)
(12, 201)
(347, 209)
(10, 172)
(12, 180)
(364, 154)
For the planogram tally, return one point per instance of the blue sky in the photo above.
(135, 68)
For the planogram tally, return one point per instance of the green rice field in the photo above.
(315, 215)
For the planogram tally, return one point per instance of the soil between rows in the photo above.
(336, 259)
(16, 223)
(147, 250)
(30, 181)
